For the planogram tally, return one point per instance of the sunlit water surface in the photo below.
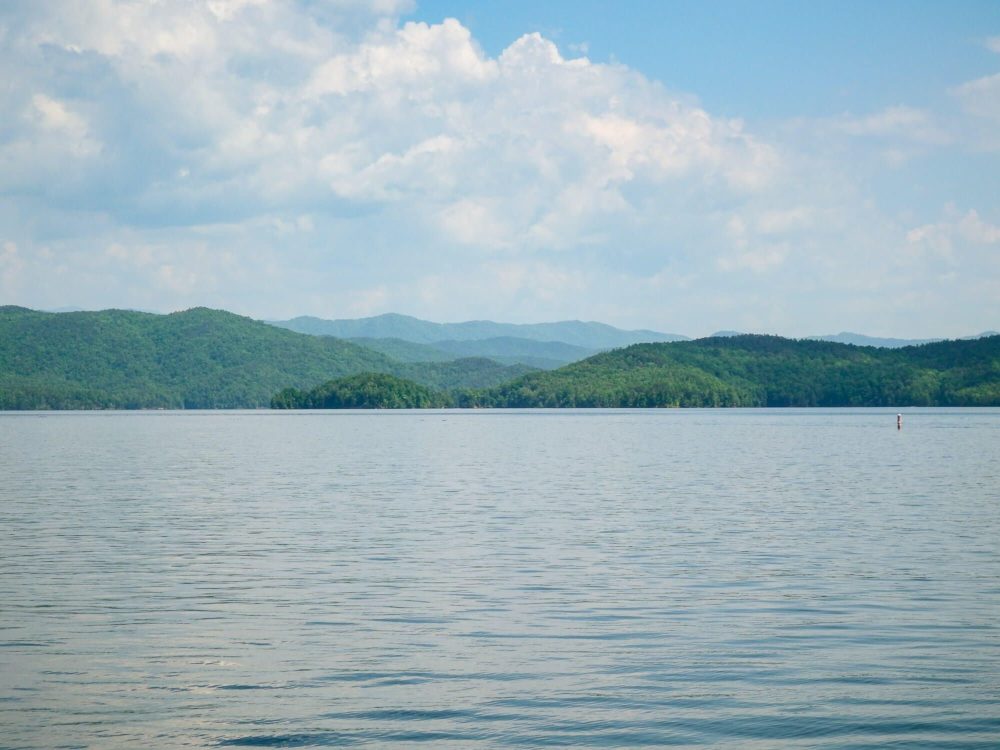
(746, 579)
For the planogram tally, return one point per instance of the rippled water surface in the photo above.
(751, 579)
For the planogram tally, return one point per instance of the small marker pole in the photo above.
(899, 421)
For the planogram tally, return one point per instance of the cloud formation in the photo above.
(282, 157)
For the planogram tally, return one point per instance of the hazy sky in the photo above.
(787, 167)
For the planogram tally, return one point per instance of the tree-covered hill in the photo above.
(460, 374)
(404, 351)
(546, 355)
(507, 350)
(753, 370)
(364, 391)
(198, 358)
(204, 358)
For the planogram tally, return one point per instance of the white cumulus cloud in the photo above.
(334, 158)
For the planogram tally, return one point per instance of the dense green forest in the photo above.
(752, 370)
(740, 371)
(404, 351)
(365, 391)
(195, 359)
(459, 374)
(213, 359)
(542, 355)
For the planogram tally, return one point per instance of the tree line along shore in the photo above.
(205, 359)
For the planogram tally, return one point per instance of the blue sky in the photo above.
(761, 60)
(794, 168)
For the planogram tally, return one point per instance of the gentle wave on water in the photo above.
(744, 578)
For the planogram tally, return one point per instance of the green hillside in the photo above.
(460, 374)
(405, 351)
(198, 358)
(507, 350)
(764, 371)
(203, 358)
(365, 391)
(194, 359)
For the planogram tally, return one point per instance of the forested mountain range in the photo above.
(198, 358)
(544, 346)
(404, 351)
(740, 370)
(751, 370)
(508, 350)
(204, 358)
(593, 336)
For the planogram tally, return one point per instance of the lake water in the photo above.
(695, 578)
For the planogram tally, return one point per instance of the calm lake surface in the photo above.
(731, 578)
